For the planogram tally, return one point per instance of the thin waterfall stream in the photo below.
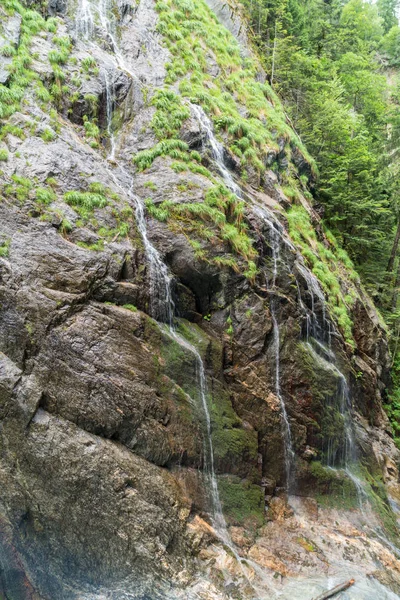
(319, 343)
(287, 433)
(162, 305)
(275, 240)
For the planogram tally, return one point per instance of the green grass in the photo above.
(21, 75)
(45, 195)
(190, 33)
(20, 188)
(174, 148)
(219, 217)
(88, 64)
(330, 265)
(130, 307)
(48, 135)
(4, 248)
(3, 154)
(86, 200)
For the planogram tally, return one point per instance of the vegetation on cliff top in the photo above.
(336, 68)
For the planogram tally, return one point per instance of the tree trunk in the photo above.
(339, 588)
(394, 249)
(273, 55)
(396, 289)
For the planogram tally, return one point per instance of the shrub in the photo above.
(48, 135)
(88, 200)
(45, 195)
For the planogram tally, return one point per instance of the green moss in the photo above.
(323, 385)
(333, 489)
(330, 266)
(242, 501)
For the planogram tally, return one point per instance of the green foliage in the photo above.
(170, 114)
(242, 502)
(130, 307)
(86, 200)
(174, 148)
(392, 406)
(48, 135)
(21, 75)
(4, 247)
(220, 217)
(189, 34)
(3, 154)
(88, 64)
(45, 195)
(326, 63)
(329, 264)
(19, 189)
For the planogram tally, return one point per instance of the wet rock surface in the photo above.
(103, 478)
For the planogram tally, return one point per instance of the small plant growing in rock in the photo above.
(92, 102)
(65, 226)
(8, 51)
(4, 248)
(3, 154)
(52, 182)
(45, 196)
(130, 307)
(88, 64)
(151, 185)
(48, 135)
(229, 329)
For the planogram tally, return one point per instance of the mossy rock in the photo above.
(235, 447)
(327, 428)
(242, 502)
(331, 488)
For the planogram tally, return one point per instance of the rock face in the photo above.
(111, 171)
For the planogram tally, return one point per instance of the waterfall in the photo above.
(275, 240)
(162, 306)
(84, 20)
(286, 430)
(109, 113)
(217, 149)
(319, 343)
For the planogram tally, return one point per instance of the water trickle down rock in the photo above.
(102, 444)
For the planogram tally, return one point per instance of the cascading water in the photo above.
(275, 239)
(110, 101)
(159, 279)
(162, 305)
(161, 299)
(84, 21)
(319, 333)
(217, 149)
(286, 430)
(318, 339)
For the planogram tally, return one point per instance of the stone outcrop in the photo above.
(104, 492)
